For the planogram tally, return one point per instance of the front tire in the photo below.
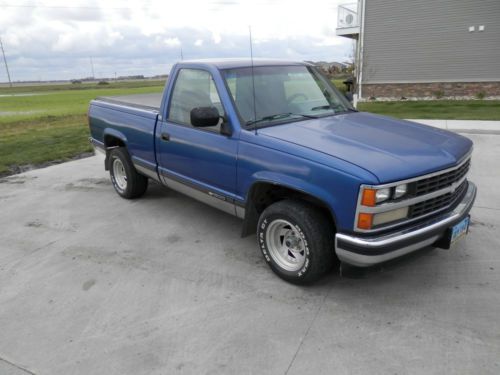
(127, 182)
(296, 240)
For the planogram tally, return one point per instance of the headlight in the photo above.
(400, 190)
(382, 195)
(380, 211)
(371, 197)
(368, 220)
(390, 216)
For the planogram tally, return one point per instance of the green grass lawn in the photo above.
(52, 126)
(59, 102)
(340, 85)
(440, 109)
(34, 142)
(64, 86)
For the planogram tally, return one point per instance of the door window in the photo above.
(193, 88)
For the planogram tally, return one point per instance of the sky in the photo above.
(53, 39)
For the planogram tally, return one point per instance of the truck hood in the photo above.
(390, 149)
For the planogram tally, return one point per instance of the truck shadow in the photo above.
(351, 272)
(245, 249)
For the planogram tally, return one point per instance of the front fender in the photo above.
(284, 181)
(297, 184)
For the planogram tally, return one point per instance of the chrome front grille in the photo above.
(434, 183)
(438, 203)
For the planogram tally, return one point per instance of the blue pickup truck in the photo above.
(275, 144)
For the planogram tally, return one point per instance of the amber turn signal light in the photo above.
(369, 197)
(365, 221)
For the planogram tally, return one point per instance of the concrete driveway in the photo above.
(94, 284)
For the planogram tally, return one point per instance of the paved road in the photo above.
(94, 284)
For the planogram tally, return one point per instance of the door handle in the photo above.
(165, 136)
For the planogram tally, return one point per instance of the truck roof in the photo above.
(230, 63)
(153, 101)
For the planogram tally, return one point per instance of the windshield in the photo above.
(282, 94)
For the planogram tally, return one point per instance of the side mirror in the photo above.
(348, 96)
(204, 116)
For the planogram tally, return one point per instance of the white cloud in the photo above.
(216, 37)
(329, 41)
(172, 42)
(57, 37)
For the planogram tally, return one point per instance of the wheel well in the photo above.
(112, 141)
(263, 195)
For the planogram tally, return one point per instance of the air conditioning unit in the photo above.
(347, 16)
(349, 20)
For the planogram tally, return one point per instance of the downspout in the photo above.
(361, 48)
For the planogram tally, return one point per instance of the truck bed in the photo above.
(143, 101)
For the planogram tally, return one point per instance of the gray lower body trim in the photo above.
(240, 212)
(98, 146)
(99, 150)
(213, 200)
(146, 172)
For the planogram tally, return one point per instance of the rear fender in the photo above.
(110, 132)
(115, 135)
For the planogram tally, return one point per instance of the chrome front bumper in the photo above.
(367, 251)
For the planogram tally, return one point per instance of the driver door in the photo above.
(200, 162)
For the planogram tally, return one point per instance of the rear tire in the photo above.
(127, 182)
(297, 241)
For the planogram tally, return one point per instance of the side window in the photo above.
(193, 88)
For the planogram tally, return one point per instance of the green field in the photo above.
(65, 86)
(52, 125)
(438, 109)
(60, 102)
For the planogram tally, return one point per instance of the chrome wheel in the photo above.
(286, 244)
(119, 174)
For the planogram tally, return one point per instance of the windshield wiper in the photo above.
(279, 116)
(334, 108)
(322, 107)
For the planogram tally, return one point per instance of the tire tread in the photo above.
(319, 232)
(137, 184)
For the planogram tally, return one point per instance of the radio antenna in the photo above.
(253, 80)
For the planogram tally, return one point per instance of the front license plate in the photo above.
(459, 230)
